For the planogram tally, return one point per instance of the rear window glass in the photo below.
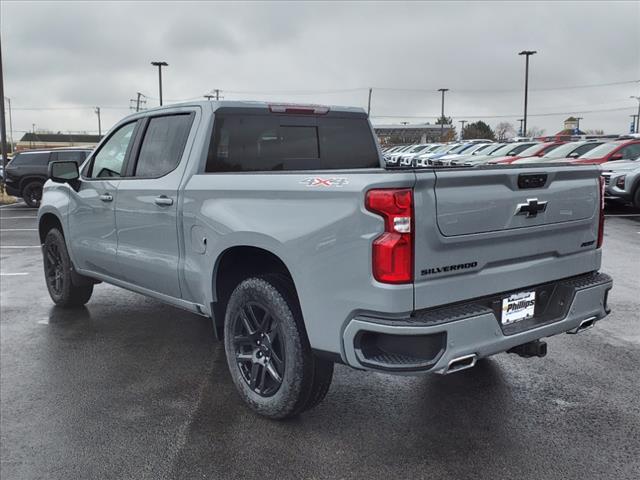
(31, 158)
(245, 143)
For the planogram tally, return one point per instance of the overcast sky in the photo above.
(62, 59)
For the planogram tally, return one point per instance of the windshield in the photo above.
(458, 149)
(524, 149)
(488, 149)
(419, 148)
(498, 152)
(602, 150)
(562, 151)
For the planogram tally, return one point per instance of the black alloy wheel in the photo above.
(259, 349)
(54, 268)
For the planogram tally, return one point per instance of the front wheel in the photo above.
(267, 351)
(636, 198)
(57, 272)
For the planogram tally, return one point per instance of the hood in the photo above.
(621, 165)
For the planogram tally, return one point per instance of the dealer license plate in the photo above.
(518, 307)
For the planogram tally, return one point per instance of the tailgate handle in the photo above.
(532, 180)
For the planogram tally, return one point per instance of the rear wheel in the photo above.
(32, 194)
(267, 351)
(57, 272)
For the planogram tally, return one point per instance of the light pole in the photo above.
(160, 65)
(638, 122)
(443, 90)
(97, 110)
(634, 120)
(462, 128)
(520, 132)
(527, 54)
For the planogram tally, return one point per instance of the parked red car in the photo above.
(607, 152)
(537, 150)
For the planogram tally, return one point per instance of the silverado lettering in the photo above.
(448, 268)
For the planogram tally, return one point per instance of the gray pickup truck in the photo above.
(280, 223)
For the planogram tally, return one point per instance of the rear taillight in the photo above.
(393, 250)
(295, 109)
(601, 220)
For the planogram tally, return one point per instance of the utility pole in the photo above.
(527, 54)
(634, 123)
(208, 96)
(638, 122)
(3, 127)
(369, 103)
(97, 110)
(160, 65)
(462, 128)
(10, 124)
(138, 101)
(217, 94)
(33, 131)
(520, 132)
(443, 90)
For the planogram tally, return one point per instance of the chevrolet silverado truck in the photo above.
(281, 224)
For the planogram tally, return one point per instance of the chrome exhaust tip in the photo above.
(461, 363)
(585, 324)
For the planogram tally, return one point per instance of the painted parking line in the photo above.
(18, 229)
(13, 274)
(19, 246)
(12, 218)
(17, 204)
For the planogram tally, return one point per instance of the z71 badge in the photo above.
(325, 182)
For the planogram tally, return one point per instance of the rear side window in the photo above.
(246, 143)
(75, 156)
(31, 159)
(163, 144)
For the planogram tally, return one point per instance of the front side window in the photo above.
(244, 143)
(163, 144)
(109, 161)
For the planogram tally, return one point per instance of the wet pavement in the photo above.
(131, 388)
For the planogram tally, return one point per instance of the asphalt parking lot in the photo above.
(130, 388)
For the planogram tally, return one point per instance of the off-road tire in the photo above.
(58, 273)
(32, 193)
(305, 379)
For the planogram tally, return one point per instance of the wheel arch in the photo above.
(46, 222)
(24, 181)
(235, 264)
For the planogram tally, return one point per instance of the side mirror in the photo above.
(573, 155)
(65, 171)
(617, 156)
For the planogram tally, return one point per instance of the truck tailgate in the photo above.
(489, 230)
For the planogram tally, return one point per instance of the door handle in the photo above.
(106, 197)
(163, 200)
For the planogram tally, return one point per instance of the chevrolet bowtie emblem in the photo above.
(531, 208)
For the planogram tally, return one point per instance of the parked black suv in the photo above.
(27, 172)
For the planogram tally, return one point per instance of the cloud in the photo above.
(99, 53)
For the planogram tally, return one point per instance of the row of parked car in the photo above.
(478, 152)
(620, 158)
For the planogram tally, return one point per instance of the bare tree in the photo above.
(535, 132)
(504, 131)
